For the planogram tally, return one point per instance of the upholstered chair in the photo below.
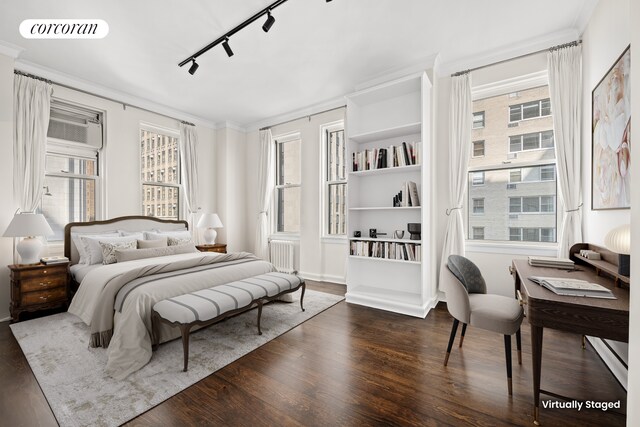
(469, 303)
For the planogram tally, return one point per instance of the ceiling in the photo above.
(316, 51)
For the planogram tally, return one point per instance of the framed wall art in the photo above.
(611, 137)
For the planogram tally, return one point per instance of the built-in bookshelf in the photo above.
(389, 186)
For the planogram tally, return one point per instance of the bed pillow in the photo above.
(123, 255)
(75, 237)
(158, 243)
(94, 251)
(109, 249)
(152, 235)
(176, 241)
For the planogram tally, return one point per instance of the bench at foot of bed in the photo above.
(209, 306)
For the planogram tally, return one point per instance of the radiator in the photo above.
(281, 255)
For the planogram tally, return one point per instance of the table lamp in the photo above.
(210, 222)
(618, 240)
(28, 225)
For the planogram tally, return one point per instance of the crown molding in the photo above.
(508, 52)
(103, 91)
(395, 73)
(583, 17)
(296, 114)
(9, 49)
(514, 84)
(226, 124)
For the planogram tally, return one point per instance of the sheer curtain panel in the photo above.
(460, 117)
(565, 88)
(189, 167)
(32, 103)
(266, 176)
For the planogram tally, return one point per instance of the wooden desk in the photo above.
(604, 318)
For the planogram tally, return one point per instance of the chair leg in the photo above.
(304, 286)
(507, 353)
(452, 338)
(519, 346)
(464, 329)
(584, 342)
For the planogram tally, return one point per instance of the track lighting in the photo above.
(194, 67)
(268, 23)
(227, 48)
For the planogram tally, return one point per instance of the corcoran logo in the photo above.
(64, 29)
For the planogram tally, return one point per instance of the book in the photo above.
(589, 254)
(547, 261)
(573, 287)
(54, 260)
(413, 194)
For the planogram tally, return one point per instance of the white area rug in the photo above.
(56, 348)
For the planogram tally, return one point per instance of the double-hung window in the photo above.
(478, 120)
(160, 172)
(478, 149)
(287, 191)
(335, 180)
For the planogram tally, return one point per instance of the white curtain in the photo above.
(189, 168)
(565, 88)
(460, 118)
(32, 102)
(266, 176)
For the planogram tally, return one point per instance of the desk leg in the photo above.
(536, 357)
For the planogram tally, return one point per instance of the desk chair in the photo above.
(469, 303)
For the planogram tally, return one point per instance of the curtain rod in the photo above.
(124, 105)
(302, 117)
(551, 49)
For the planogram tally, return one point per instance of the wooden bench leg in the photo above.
(184, 329)
(155, 333)
(302, 295)
(259, 316)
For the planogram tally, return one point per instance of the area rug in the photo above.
(56, 348)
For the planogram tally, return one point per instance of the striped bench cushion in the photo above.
(209, 303)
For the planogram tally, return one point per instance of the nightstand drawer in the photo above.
(41, 297)
(42, 272)
(43, 283)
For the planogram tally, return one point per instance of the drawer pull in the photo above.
(45, 298)
(44, 283)
(521, 300)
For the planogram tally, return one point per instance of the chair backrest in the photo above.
(467, 273)
(457, 296)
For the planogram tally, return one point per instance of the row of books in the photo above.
(387, 250)
(405, 154)
(51, 260)
(408, 195)
(545, 261)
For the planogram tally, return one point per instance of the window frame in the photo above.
(537, 212)
(521, 105)
(473, 122)
(473, 206)
(325, 130)
(473, 233)
(473, 148)
(281, 139)
(473, 178)
(528, 150)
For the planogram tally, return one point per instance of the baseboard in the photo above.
(324, 278)
(393, 306)
(611, 359)
(6, 319)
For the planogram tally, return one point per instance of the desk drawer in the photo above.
(42, 297)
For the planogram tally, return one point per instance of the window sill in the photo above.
(519, 248)
(285, 236)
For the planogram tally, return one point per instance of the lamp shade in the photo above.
(618, 240)
(28, 224)
(210, 220)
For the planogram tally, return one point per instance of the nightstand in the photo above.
(38, 287)
(216, 247)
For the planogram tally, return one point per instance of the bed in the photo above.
(116, 299)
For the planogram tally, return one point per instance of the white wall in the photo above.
(319, 260)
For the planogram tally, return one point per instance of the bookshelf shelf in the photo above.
(370, 258)
(387, 133)
(369, 239)
(397, 169)
(387, 208)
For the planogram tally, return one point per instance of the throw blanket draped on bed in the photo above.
(122, 295)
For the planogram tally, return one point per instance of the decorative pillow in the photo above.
(468, 274)
(131, 233)
(94, 251)
(109, 250)
(152, 235)
(123, 255)
(175, 241)
(159, 243)
(75, 237)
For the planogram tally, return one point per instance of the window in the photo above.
(532, 234)
(530, 110)
(478, 148)
(478, 206)
(478, 120)
(548, 173)
(477, 178)
(515, 175)
(547, 234)
(161, 186)
(478, 233)
(72, 181)
(532, 204)
(287, 191)
(531, 141)
(335, 180)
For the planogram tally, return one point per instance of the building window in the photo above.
(287, 191)
(478, 148)
(478, 206)
(477, 178)
(547, 234)
(478, 120)
(531, 141)
(335, 180)
(478, 233)
(162, 189)
(530, 110)
(532, 204)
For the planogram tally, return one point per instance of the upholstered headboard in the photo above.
(126, 223)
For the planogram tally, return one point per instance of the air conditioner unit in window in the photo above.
(513, 125)
(75, 124)
(512, 186)
(513, 216)
(512, 156)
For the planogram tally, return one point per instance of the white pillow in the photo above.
(93, 249)
(152, 235)
(175, 241)
(109, 250)
(156, 243)
(75, 237)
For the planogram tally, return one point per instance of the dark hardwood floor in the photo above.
(353, 365)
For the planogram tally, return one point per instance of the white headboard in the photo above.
(126, 223)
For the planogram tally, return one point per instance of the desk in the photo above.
(604, 318)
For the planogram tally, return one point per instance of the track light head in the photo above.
(268, 23)
(194, 67)
(227, 48)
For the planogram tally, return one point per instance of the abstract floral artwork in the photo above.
(611, 138)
